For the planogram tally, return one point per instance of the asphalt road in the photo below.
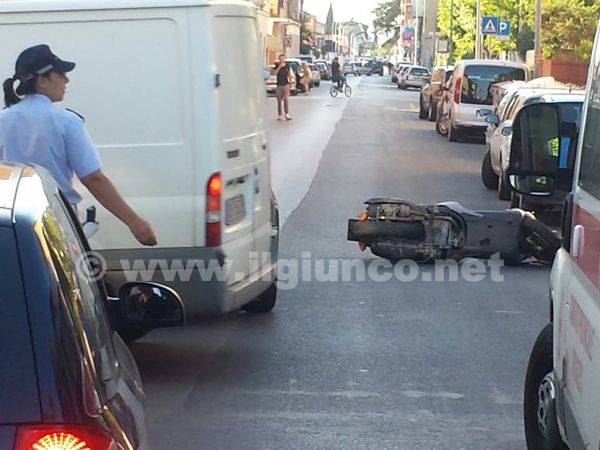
(355, 364)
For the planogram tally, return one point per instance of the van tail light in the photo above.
(214, 190)
(457, 90)
(63, 437)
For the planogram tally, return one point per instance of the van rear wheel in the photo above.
(264, 303)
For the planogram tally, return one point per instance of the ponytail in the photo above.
(10, 96)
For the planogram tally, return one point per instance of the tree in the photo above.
(569, 26)
(386, 20)
(464, 27)
(306, 33)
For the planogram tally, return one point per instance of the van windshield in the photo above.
(478, 80)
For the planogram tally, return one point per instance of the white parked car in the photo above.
(562, 385)
(415, 76)
(192, 158)
(470, 92)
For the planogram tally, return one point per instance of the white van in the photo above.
(470, 92)
(562, 387)
(173, 96)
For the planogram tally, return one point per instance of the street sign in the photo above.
(443, 46)
(504, 28)
(490, 25)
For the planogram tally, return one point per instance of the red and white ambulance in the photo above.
(562, 387)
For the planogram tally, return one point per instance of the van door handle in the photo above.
(577, 241)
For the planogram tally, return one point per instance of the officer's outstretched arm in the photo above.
(105, 192)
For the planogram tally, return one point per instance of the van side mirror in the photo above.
(506, 131)
(492, 119)
(539, 184)
(151, 305)
(484, 112)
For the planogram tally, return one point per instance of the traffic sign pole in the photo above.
(479, 32)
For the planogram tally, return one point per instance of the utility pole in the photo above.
(451, 43)
(520, 15)
(301, 24)
(478, 36)
(538, 38)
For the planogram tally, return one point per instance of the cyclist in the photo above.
(336, 73)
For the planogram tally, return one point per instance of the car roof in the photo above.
(556, 97)
(551, 94)
(34, 182)
(299, 61)
(419, 67)
(10, 174)
(490, 62)
(79, 5)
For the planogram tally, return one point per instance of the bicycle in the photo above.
(347, 90)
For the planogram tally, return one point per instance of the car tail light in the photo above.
(214, 189)
(457, 89)
(63, 437)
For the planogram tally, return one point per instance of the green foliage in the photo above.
(386, 21)
(569, 26)
(525, 41)
(465, 16)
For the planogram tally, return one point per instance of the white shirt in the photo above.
(35, 131)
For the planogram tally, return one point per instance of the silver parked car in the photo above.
(416, 77)
(316, 75)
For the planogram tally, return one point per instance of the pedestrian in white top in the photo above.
(35, 131)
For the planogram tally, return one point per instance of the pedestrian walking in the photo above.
(284, 74)
(306, 77)
(35, 131)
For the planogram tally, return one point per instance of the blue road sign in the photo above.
(490, 25)
(504, 29)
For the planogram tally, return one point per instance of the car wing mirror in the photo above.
(492, 119)
(151, 305)
(484, 112)
(539, 184)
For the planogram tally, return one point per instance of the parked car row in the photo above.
(535, 157)
(319, 71)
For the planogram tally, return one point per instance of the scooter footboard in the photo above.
(492, 232)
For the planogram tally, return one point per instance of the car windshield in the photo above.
(294, 65)
(478, 80)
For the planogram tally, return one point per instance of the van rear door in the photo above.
(244, 160)
(475, 89)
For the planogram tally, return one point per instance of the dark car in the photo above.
(433, 91)
(66, 375)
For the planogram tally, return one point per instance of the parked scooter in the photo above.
(398, 229)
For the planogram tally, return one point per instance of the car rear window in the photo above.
(478, 80)
(420, 72)
(18, 379)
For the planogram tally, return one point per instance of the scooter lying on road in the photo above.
(398, 229)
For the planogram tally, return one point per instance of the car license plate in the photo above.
(235, 210)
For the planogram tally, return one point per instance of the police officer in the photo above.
(34, 131)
